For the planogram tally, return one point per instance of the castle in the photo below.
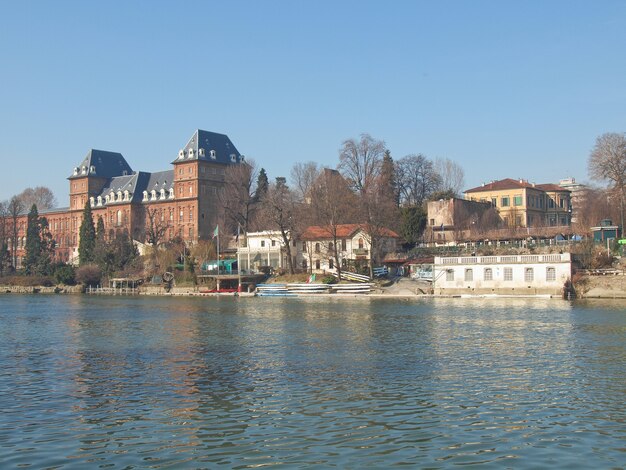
(182, 201)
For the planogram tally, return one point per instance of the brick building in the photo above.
(183, 199)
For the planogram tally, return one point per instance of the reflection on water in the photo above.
(145, 382)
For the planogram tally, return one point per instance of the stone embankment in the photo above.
(601, 287)
(41, 289)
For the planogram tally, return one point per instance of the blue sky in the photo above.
(505, 89)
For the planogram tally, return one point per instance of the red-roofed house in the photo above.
(352, 242)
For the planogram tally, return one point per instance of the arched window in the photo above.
(119, 195)
(171, 193)
(331, 263)
(99, 200)
(152, 195)
(145, 195)
(126, 195)
(317, 248)
(119, 218)
(162, 195)
(360, 243)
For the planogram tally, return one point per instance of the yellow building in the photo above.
(523, 204)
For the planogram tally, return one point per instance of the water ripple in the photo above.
(241, 383)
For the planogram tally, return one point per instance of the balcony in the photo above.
(360, 251)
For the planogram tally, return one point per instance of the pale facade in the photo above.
(265, 248)
(512, 275)
(524, 204)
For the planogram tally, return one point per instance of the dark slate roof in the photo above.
(104, 164)
(137, 183)
(210, 147)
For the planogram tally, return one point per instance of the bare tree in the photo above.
(417, 179)
(157, 224)
(607, 162)
(15, 209)
(238, 196)
(452, 176)
(41, 196)
(360, 161)
(303, 176)
(280, 211)
(333, 204)
(4, 235)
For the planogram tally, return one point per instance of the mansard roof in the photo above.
(102, 164)
(137, 183)
(210, 147)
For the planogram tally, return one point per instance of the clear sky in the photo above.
(504, 88)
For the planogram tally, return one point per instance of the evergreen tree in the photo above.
(87, 244)
(262, 185)
(33, 241)
(413, 223)
(100, 230)
(388, 183)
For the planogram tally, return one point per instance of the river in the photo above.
(138, 382)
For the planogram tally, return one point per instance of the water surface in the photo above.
(123, 382)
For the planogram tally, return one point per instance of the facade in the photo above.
(450, 220)
(511, 275)
(524, 204)
(313, 250)
(183, 200)
(353, 245)
(265, 248)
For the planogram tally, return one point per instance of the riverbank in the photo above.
(587, 287)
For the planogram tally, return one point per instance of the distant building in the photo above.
(524, 204)
(183, 199)
(265, 248)
(452, 220)
(605, 231)
(578, 193)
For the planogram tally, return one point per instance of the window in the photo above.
(330, 246)
(190, 214)
(181, 215)
(304, 247)
(317, 264)
(550, 274)
(360, 243)
(529, 275)
(488, 275)
(344, 263)
(304, 266)
(494, 201)
(449, 274)
(273, 242)
(469, 275)
(504, 202)
(517, 200)
(190, 232)
(508, 274)
(262, 243)
(432, 221)
(190, 190)
(343, 244)
(119, 217)
(317, 248)
(550, 203)
(172, 215)
(331, 264)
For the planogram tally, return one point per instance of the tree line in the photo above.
(367, 187)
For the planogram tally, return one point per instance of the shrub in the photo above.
(65, 274)
(89, 275)
(328, 280)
